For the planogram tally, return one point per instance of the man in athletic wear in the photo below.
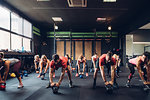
(55, 64)
(106, 60)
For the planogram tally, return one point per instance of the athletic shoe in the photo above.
(128, 84)
(70, 84)
(48, 86)
(20, 86)
(53, 75)
(77, 74)
(87, 74)
(94, 85)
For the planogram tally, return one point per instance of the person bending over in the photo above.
(81, 62)
(36, 63)
(142, 63)
(9, 65)
(93, 59)
(105, 61)
(55, 64)
(44, 65)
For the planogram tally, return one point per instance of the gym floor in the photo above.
(35, 89)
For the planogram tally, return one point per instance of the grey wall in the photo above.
(141, 36)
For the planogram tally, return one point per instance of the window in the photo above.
(26, 44)
(4, 40)
(16, 23)
(27, 29)
(16, 42)
(4, 18)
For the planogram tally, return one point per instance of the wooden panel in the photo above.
(60, 48)
(78, 49)
(68, 48)
(88, 50)
(98, 47)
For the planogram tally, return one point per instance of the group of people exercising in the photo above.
(109, 61)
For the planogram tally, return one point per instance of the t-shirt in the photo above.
(62, 63)
(102, 60)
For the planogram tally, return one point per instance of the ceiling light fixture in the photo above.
(101, 19)
(109, 0)
(57, 19)
(77, 3)
(43, 0)
(109, 28)
(56, 27)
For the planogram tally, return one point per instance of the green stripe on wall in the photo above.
(36, 29)
(34, 32)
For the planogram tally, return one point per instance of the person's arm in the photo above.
(47, 66)
(84, 65)
(103, 73)
(112, 74)
(41, 67)
(93, 63)
(35, 65)
(78, 66)
(61, 76)
(6, 70)
(140, 71)
(51, 71)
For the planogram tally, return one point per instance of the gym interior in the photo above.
(73, 27)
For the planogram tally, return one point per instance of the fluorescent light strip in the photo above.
(43, 0)
(57, 19)
(109, 0)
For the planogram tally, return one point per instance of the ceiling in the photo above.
(119, 15)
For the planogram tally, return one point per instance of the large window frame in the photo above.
(19, 28)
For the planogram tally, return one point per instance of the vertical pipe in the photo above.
(54, 40)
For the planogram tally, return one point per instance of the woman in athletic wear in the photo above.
(12, 65)
(81, 62)
(142, 63)
(36, 63)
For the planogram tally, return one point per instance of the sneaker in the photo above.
(91, 70)
(70, 85)
(77, 74)
(53, 75)
(48, 86)
(87, 74)
(20, 86)
(94, 85)
(115, 85)
(117, 75)
(38, 76)
(128, 84)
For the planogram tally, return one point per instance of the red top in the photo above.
(94, 58)
(102, 60)
(81, 61)
(62, 63)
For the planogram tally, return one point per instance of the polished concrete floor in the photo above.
(34, 89)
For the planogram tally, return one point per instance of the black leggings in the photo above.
(132, 71)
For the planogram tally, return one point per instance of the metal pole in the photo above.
(54, 40)
(71, 44)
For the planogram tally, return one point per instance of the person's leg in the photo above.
(69, 77)
(132, 71)
(108, 66)
(86, 69)
(16, 69)
(91, 69)
(77, 73)
(95, 77)
(145, 72)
